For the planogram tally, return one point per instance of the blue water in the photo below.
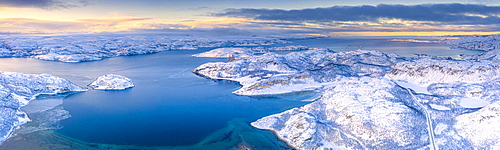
(384, 45)
(170, 106)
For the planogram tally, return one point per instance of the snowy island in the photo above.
(373, 100)
(111, 82)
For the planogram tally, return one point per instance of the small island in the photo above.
(111, 82)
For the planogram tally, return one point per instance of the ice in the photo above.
(468, 102)
(414, 87)
(317, 69)
(481, 127)
(18, 90)
(41, 105)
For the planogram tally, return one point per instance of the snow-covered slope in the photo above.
(111, 82)
(427, 70)
(17, 89)
(365, 102)
(481, 128)
(311, 70)
(361, 113)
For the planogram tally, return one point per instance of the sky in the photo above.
(311, 17)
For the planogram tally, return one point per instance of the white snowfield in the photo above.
(365, 104)
(17, 90)
(111, 82)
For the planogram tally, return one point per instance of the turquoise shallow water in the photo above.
(170, 106)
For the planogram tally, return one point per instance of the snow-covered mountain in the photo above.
(91, 48)
(373, 100)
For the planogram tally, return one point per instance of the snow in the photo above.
(82, 48)
(111, 82)
(273, 73)
(17, 90)
(481, 127)
(363, 102)
(468, 102)
(228, 52)
(364, 94)
(439, 107)
(415, 41)
(414, 87)
(350, 116)
(486, 43)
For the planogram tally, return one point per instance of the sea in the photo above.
(172, 108)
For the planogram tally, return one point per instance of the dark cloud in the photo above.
(45, 4)
(439, 13)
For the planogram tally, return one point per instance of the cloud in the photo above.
(199, 8)
(457, 14)
(28, 25)
(112, 21)
(25, 25)
(45, 4)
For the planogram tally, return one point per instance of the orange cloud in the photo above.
(80, 25)
(111, 20)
